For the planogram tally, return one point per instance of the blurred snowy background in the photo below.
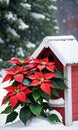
(24, 24)
(67, 15)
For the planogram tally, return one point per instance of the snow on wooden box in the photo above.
(63, 50)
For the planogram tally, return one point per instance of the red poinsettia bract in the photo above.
(15, 73)
(43, 80)
(45, 63)
(20, 62)
(15, 94)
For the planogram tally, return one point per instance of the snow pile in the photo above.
(37, 124)
(22, 24)
(2, 94)
(59, 101)
(30, 45)
(12, 16)
(37, 16)
(66, 51)
(26, 5)
(9, 29)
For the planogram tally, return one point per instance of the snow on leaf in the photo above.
(1, 41)
(20, 52)
(7, 1)
(10, 15)
(58, 101)
(30, 45)
(37, 15)
(53, 7)
(22, 25)
(56, 27)
(12, 31)
(26, 5)
(48, 112)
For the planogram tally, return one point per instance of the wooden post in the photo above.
(68, 96)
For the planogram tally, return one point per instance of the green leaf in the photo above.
(59, 84)
(53, 118)
(46, 106)
(35, 88)
(36, 95)
(11, 117)
(45, 96)
(28, 100)
(7, 110)
(26, 82)
(35, 109)
(59, 74)
(25, 114)
(55, 84)
(43, 114)
(55, 92)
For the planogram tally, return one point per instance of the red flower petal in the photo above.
(14, 61)
(32, 77)
(10, 89)
(38, 75)
(41, 67)
(27, 91)
(45, 60)
(6, 78)
(51, 67)
(21, 96)
(11, 71)
(49, 75)
(21, 87)
(27, 60)
(35, 82)
(46, 88)
(52, 86)
(13, 101)
(19, 77)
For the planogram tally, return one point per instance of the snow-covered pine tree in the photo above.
(23, 24)
(42, 21)
(12, 27)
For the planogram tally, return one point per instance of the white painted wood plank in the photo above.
(68, 96)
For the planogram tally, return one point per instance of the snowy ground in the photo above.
(36, 123)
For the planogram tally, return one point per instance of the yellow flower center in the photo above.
(17, 90)
(43, 63)
(42, 79)
(17, 72)
(21, 61)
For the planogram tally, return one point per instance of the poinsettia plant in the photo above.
(32, 83)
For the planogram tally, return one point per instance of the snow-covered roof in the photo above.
(64, 47)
